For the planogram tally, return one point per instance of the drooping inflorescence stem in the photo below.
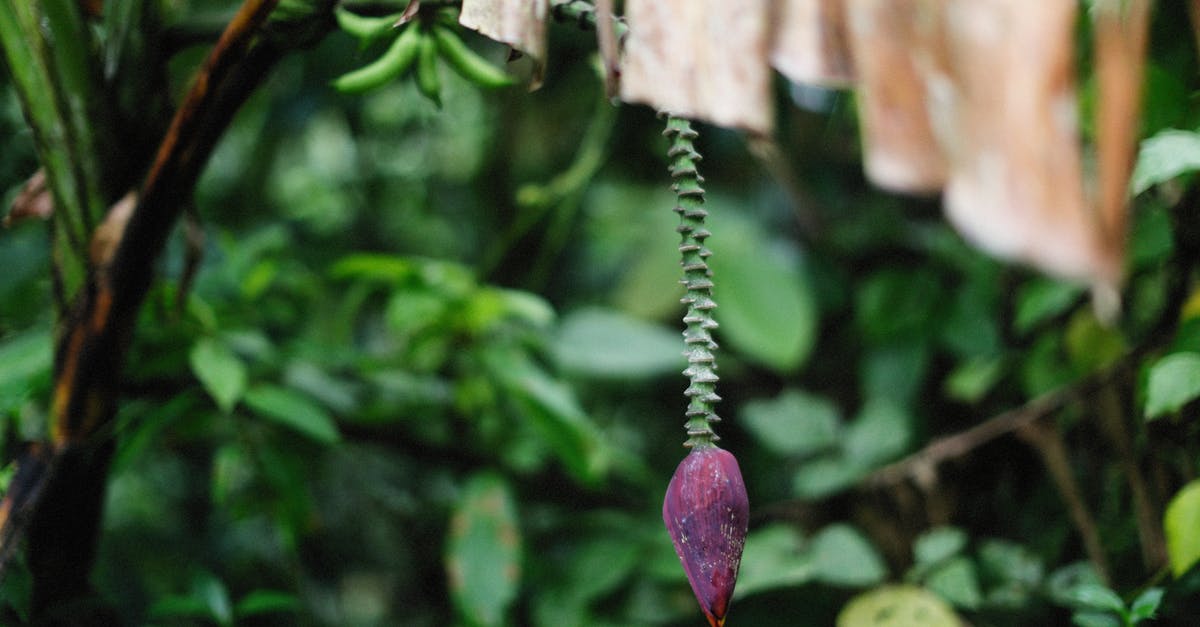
(697, 279)
(706, 509)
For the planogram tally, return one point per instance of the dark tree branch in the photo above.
(60, 486)
(1147, 513)
(1186, 217)
(922, 464)
(1048, 442)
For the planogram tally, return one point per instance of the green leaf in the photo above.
(1151, 239)
(1145, 605)
(27, 359)
(293, 410)
(825, 476)
(897, 606)
(1039, 300)
(841, 556)
(25, 356)
(601, 565)
(557, 606)
(895, 371)
(1090, 344)
(973, 378)
(605, 343)
(413, 309)
(1165, 156)
(1044, 366)
(215, 596)
(208, 598)
(232, 471)
(1092, 596)
(1165, 98)
(1182, 525)
(1009, 562)
(765, 305)
(793, 423)
(643, 244)
(178, 606)
(939, 544)
(1094, 619)
(483, 551)
(1187, 336)
(373, 267)
(897, 305)
(880, 433)
(957, 582)
(1174, 381)
(526, 306)
(551, 409)
(259, 602)
(1061, 582)
(972, 327)
(220, 371)
(336, 393)
(773, 558)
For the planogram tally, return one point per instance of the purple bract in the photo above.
(707, 512)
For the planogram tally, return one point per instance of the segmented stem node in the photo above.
(697, 281)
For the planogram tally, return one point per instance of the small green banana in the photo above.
(394, 62)
(365, 28)
(428, 80)
(467, 62)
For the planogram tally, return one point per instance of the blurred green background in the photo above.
(429, 370)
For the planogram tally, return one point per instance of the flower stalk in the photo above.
(697, 280)
(705, 510)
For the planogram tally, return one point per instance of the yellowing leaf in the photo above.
(702, 59)
(897, 606)
(1182, 523)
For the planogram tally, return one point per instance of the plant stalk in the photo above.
(697, 280)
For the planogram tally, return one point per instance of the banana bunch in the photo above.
(416, 48)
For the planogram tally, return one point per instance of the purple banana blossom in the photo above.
(707, 512)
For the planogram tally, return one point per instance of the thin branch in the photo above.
(1146, 512)
(1048, 442)
(926, 460)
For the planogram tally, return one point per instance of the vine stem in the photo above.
(697, 280)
